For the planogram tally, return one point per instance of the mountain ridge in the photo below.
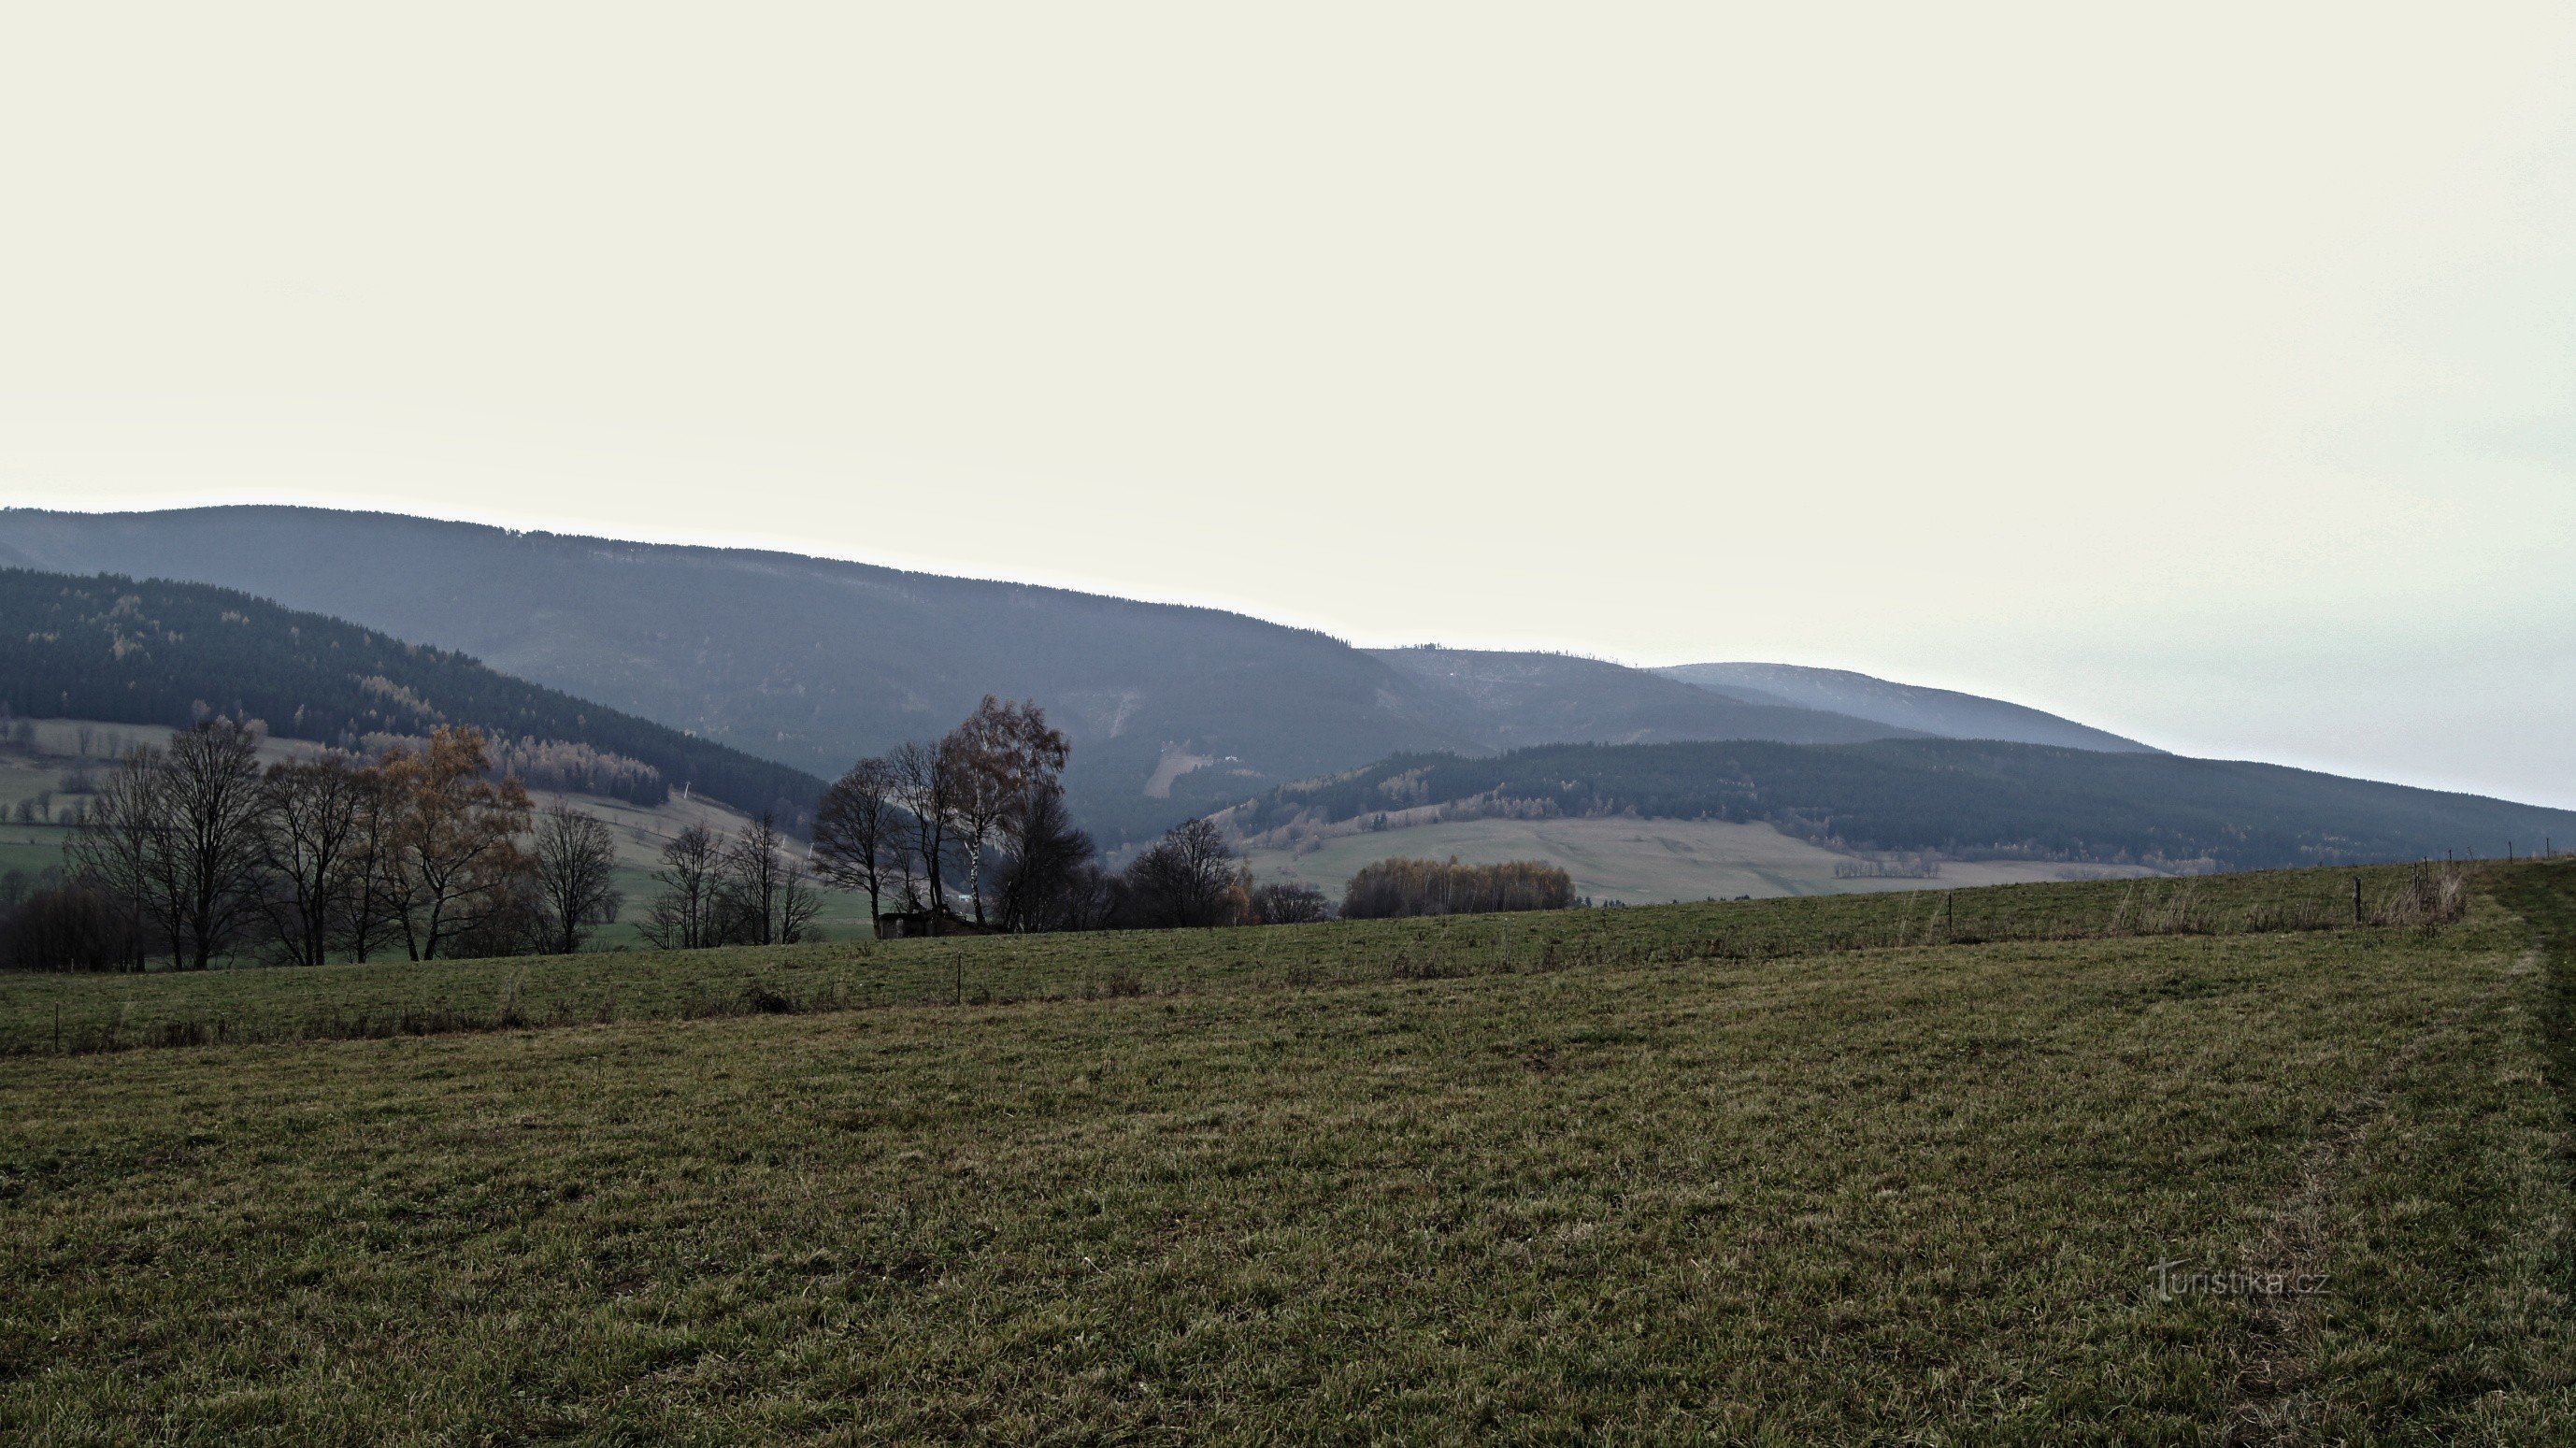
(1173, 709)
(1524, 698)
(1942, 713)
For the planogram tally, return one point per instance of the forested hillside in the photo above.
(1964, 798)
(1172, 711)
(809, 662)
(165, 654)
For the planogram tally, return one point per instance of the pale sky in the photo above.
(2205, 373)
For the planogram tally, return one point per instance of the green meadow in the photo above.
(2153, 1162)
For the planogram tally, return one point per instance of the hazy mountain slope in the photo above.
(1941, 712)
(160, 653)
(805, 661)
(1518, 699)
(1959, 797)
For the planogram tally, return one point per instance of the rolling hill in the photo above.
(162, 654)
(808, 662)
(811, 663)
(1965, 799)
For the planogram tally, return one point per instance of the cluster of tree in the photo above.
(1961, 798)
(1901, 867)
(170, 655)
(558, 766)
(197, 852)
(977, 817)
(1395, 887)
(39, 809)
(975, 828)
(88, 740)
(48, 924)
(746, 888)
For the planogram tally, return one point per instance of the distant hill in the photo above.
(1511, 700)
(1963, 798)
(1943, 713)
(809, 662)
(162, 654)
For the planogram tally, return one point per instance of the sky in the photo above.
(2207, 373)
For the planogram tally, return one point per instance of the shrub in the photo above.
(1433, 887)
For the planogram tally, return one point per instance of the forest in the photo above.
(171, 655)
(1961, 798)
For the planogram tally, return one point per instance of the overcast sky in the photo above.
(2208, 374)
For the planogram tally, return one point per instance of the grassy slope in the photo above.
(1872, 1195)
(641, 833)
(1639, 861)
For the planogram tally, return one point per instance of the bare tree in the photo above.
(859, 832)
(378, 899)
(309, 839)
(576, 863)
(765, 899)
(124, 849)
(995, 759)
(927, 787)
(798, 904)
(1039, 879)
(1186, 879)
(1282, 903)
(683, 915)
(213, 814)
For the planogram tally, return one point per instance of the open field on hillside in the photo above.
(1639, 861)
(1882, 1195)
(51, 1013)
(32, 849)
(641, 834)
(61, 748)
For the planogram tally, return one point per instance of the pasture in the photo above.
(1819, 1170)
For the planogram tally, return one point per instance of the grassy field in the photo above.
(1639, 861)
(1808, 1171)
(79, 1013)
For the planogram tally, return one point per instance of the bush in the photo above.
(1432, 887)
(68, 926)
(1279, 903)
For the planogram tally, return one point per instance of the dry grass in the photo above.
(1890, 1195)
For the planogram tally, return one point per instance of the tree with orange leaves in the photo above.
(452, 853)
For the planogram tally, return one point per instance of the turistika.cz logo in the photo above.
(2171, 1282)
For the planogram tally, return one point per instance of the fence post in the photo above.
(2356, 899)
